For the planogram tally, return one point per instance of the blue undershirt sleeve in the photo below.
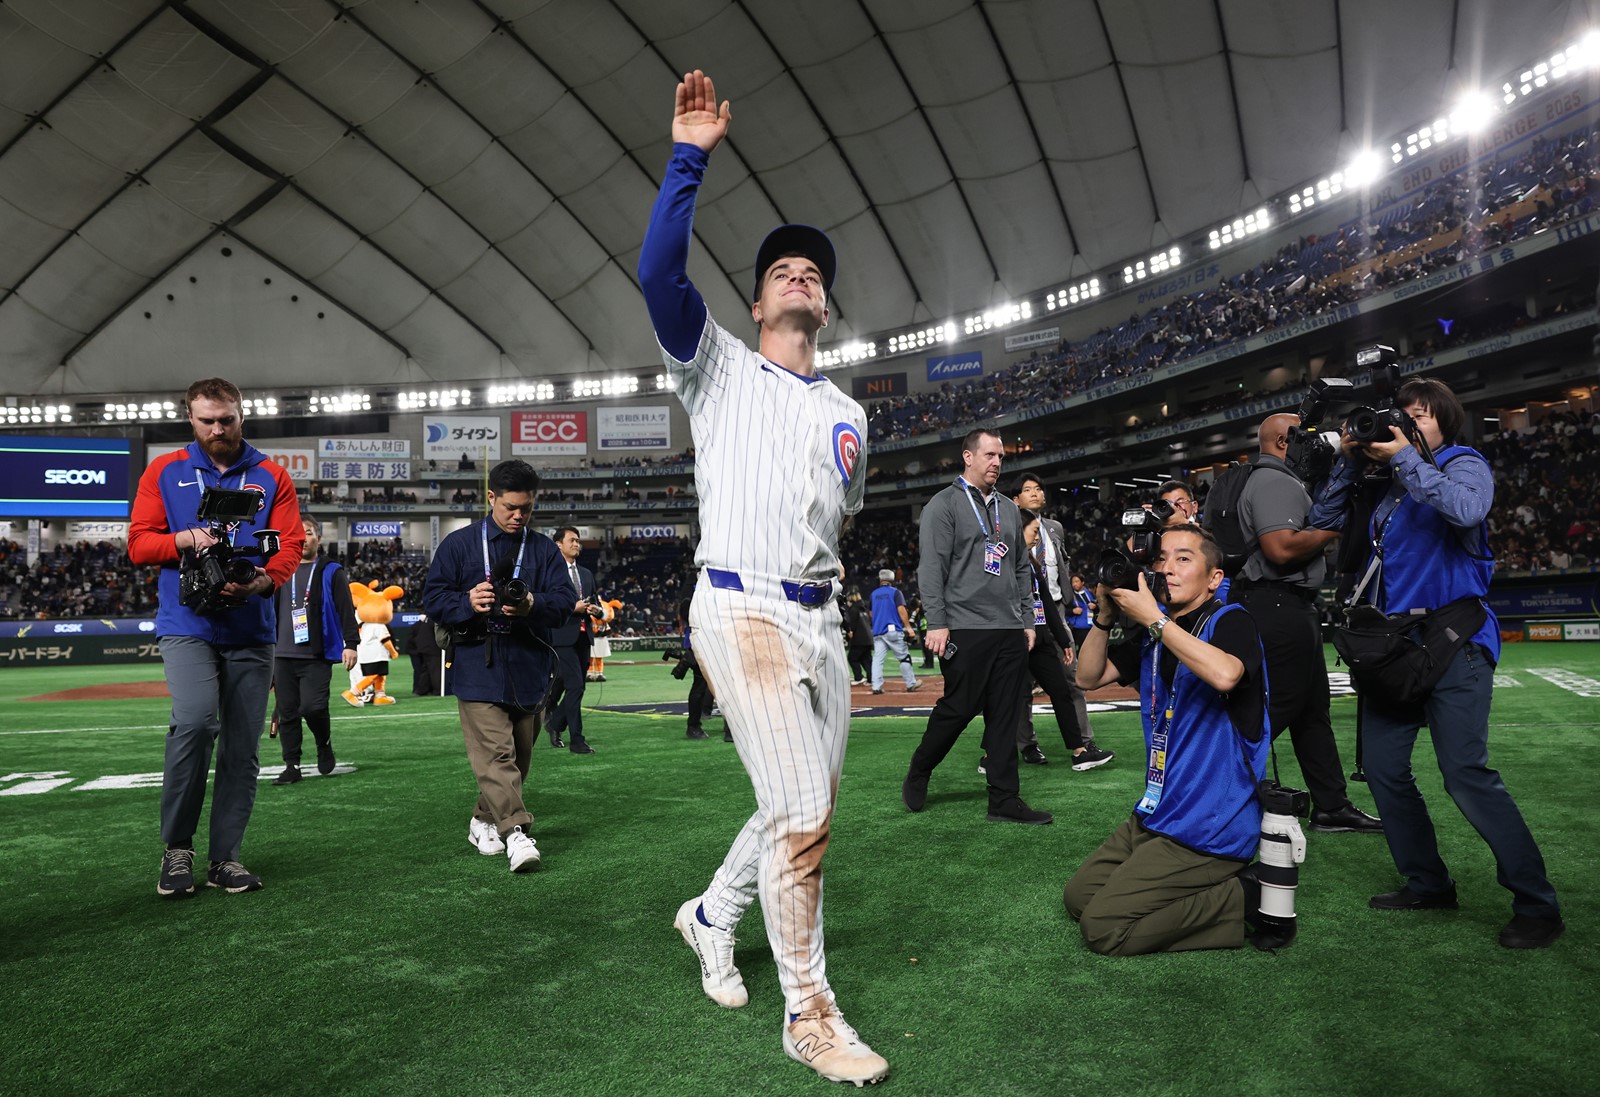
(677, 311)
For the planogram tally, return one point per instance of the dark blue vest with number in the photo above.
(1208, 800)
(1428, 563)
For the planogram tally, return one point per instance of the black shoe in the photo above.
(983, 766)
(1406, 899)
(727, 736)
(325, 759)
(914, 792)
(289, 776)
(1347, 818)
(696, 733)
(580, 746)
(555, 741)
(1034, 756)
(1091, 757)
(1015, 811)
(231, 877)
(1526, 931)
(177, 874)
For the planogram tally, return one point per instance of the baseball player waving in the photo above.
(779, 462)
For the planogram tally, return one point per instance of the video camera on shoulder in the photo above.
(1120, 568)
(1371, 424)
(1311, 451)
(202, 573)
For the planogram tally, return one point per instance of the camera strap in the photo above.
(488, 572)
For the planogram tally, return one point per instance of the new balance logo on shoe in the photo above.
(809, 1046)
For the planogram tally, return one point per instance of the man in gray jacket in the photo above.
(977, 592)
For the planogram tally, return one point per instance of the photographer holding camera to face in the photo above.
(196, 513)
(1168, 879)
(1426, 579)
(498, 588)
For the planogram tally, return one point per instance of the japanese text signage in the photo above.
(634, 428)
(448, 437)
(549, 433)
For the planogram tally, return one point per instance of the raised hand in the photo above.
(695, 118)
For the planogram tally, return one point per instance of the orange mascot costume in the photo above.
(600, 646)
(374, 609)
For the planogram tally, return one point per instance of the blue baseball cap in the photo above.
(804, 240)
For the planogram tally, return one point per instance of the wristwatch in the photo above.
(1155, 629)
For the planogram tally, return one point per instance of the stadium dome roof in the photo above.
(303, 193)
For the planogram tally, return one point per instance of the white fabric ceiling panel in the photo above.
(1109, 204)
(31, 346)
(198, 176)
(37, 67)
(495, 194)
(270, 31)
(635, 102)
(1193, 155)
(725, 288)
(986, 136)
(239, 324)
(292, 230)
(858, 92)
(11, 124)
(1047, 40)
(432, 35)
(616, 206)
(350, 72)
(367, 282)
(282, 126)
(47, 176)
(512, 10)
(429, 240)
(526, 324)
(939, 244)
(744, 65)
(360, 184)
(446, 347)
(772, 128)
(610, 306)
(77, 287)
(815, 189)
(1020, 220)
(564, 148)
(864, 286)
(555, 252)
(429, 135)
(1493, 37)
(1393, 61)
(579, 40)
(114, 123)
(664, 21)
(814, 32)
(170, 60)
(946, 52)
(143, 230)
(91, 26)
(26, 239)
(501, 84)
(731, 227)
(899, 161)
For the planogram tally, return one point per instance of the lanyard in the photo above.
(516, 572)
(294, 575)
(969, 491)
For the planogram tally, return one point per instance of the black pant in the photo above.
(1044, 663)
(699, 698)
(566, 699)
(860, 662)
(988, 675)
(302, 687)
(425, 668)
(1297, 682)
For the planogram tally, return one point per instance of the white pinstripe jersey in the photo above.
(779, 460)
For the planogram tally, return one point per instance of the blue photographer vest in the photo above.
(1202, 774)
(1428, 563)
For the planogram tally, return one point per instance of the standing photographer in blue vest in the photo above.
(1430, 552)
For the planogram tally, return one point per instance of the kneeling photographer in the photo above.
(1168, 879)
(498, 588)
(196, 513)
(1425, 581)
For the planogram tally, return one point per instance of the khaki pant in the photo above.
(500, 742)
(1141, 892)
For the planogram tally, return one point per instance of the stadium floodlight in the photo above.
(433, 399)
(261, 405)
(1472, 113)
(1363, 169)
(340, 403)
(27, 414)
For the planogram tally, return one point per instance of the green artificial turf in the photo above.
(386, 956)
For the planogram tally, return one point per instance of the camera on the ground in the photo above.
(1120, 568)
(203, 573)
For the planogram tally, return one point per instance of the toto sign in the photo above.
(549, 433)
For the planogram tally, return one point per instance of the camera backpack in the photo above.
(1221, 517)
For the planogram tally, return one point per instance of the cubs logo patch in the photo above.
(261, 495)
(846, 448)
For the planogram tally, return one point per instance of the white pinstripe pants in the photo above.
(780, 676)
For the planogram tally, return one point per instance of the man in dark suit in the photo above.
(571, 641)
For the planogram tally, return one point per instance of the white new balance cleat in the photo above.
(714, 948)
(521, 851)
(822, 1040)
(485, 837)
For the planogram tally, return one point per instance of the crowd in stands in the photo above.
(649, 578)
(82, 579)
(1545, 516)
(1449, 222)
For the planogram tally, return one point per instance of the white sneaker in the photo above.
(821, 1040)
(485, 836)
(718, 977)
(521, 851)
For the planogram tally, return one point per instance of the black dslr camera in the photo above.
(1311, 452)
(1278, 800)
(204, 572)
(684, 659)
(1371, 424)
(1120, 568)
(509, 591)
